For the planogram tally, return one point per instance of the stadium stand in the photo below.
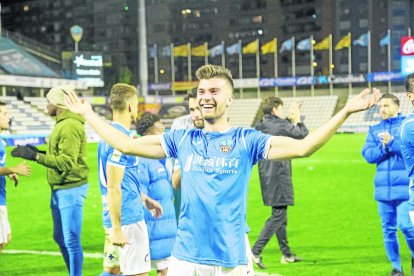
(242, 112)
(316, 110)
(360, 122)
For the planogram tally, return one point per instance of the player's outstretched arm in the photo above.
(148, 146)
(288, 148)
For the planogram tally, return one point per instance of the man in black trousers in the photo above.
(276, 177)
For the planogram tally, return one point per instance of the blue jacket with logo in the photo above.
(155, 181)
(391, 179)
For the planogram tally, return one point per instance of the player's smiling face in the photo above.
(214, 96)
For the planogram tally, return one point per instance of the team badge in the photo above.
(226, 145)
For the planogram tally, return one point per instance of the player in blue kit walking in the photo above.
(216, 164)
(123, 212)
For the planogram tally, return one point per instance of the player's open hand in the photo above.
(76, 105)
(22, 169)
(364, 100)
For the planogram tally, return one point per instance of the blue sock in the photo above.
(109, 274)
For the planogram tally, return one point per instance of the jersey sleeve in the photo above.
(257, 144)
(116, 158)
(407, 132)
(172, 140)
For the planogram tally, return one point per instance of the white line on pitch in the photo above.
(49, 253)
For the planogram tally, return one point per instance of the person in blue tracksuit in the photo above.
(382, 147)
(155, 181)
(406, 133)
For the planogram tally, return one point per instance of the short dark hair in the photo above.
(191, 94)
(210, 71)
(392, 97)
(270, 102)
(409, 83)
(146, 121)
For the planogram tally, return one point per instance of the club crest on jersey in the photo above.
(226, 145)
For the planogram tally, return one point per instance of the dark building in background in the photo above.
(111, 27)
(377, 16)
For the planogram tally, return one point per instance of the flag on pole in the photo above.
(323, 45)
(304, 44)
(234, 48)
(269, 47)
(153, 51)
(166, 51)
(200, 51)
(361, 41)
(217, 50)
(344, 42)
(286, 45)
(181, 51)
(251, 48)
(385, 41)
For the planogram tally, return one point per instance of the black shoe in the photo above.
(257, 259)
(395, 272)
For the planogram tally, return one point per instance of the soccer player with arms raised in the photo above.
(216, 164)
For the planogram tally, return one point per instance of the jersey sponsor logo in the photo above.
(226, 145)
(219, 165)
(116, 156)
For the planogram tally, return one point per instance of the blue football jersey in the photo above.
(2, 177)
(215, 171)
(132, 208)
(406, 133)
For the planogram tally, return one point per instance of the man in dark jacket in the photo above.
(382, 147)
(276, 177)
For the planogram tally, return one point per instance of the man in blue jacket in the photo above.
(382, 147)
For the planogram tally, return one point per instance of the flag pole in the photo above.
(172, 68)
(189, 77)
(369, 54)
(275, 65)
(223, 54)
(156, 66)
(350, 64)
(312, 69)
(240, 68)
(293, 65)
(258, 67)
(206, 53)
(389, 58)
(330, 64)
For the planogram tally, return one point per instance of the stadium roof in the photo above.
(16, 61)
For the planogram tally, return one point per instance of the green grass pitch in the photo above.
(334, 225)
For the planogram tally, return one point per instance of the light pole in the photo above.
(77, 32)
(142, 42)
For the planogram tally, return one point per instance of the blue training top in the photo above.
(131, 208)
(215, 172)
(2, 177)
(155, 181)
